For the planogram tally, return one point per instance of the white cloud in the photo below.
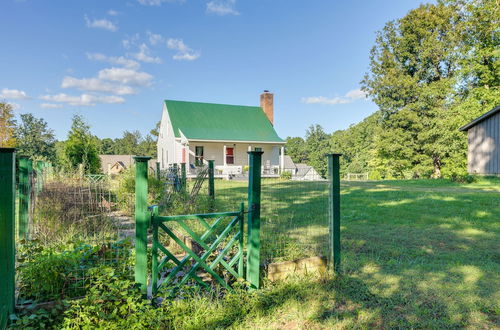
(155, 39)
(126, 76)
(13, 94)
(144, 55)
(15, 106)
(183, 51)
(82, 100)
(156, 2)
(349, 97)
(96, 85)
(50, 106)
(100, 24)
(356, 94)
(324, 100)
(112, 12)
(222, 7)
(126, 62)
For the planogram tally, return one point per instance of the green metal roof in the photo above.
(209, 121)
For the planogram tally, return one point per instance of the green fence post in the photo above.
(183, 176)
(211, 181)
(39, 176)
(253, 244)
(7, 233)
(158, 173)
(24, 196)
(334, 210)
(142, 220)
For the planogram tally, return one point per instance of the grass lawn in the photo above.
(415, 254)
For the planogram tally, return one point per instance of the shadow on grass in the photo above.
(412, 257)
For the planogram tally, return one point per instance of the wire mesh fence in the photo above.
(294, 214)
(75, 224)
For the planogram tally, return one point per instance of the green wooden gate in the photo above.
(219, 236)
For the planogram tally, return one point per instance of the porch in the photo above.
(231, 159)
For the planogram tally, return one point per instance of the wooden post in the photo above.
(241, 273)
(142, 220)
(183, 177)
(7, 233)
(39, 176)
(253, 244)
(24, 196)
(334, 210)
(158, 173)
(211, 180)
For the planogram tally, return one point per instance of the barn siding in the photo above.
(484, 146)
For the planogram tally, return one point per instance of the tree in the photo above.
(317, 146)
(413, 73)
(81, 148)
(296, 148)
(128, 144)
(147, 147)
(35, 139)
(7, 126)
(106, 146)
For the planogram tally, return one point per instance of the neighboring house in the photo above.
(483, 156)
(116, 164)
(193, 133)
(301, 172)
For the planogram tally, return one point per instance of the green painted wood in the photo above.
(253, 245)
(39, 176)
(7, 233)
(185, 260)
(154, 260)
(24, 196)
(199, 261)
(211, 179)
(142, 220)
(334, 210)
(183, 176)
(195, 216)
(240, 246)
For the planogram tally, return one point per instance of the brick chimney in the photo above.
(266, 103)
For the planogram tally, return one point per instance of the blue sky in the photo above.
(115, 61)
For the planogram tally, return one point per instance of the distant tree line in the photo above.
(431, 72)
(33, 138)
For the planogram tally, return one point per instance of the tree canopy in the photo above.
(35, 139)
(7, 126)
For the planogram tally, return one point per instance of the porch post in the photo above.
(224, 155)
(282, 159)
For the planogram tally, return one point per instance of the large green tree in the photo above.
(81, 147)
(425, 69)
(7, 126)
(35, 139)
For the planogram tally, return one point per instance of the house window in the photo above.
(230, 156)
(198, 160)
(258, 149)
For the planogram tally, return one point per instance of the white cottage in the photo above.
(193, 133)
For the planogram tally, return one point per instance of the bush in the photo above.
(286, 175)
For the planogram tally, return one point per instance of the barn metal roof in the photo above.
(480, 118)
(220, 122)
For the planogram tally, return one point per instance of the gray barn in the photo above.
(483, 155)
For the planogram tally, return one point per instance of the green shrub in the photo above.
(286, 175)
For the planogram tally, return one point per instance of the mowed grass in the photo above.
(414, 254)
